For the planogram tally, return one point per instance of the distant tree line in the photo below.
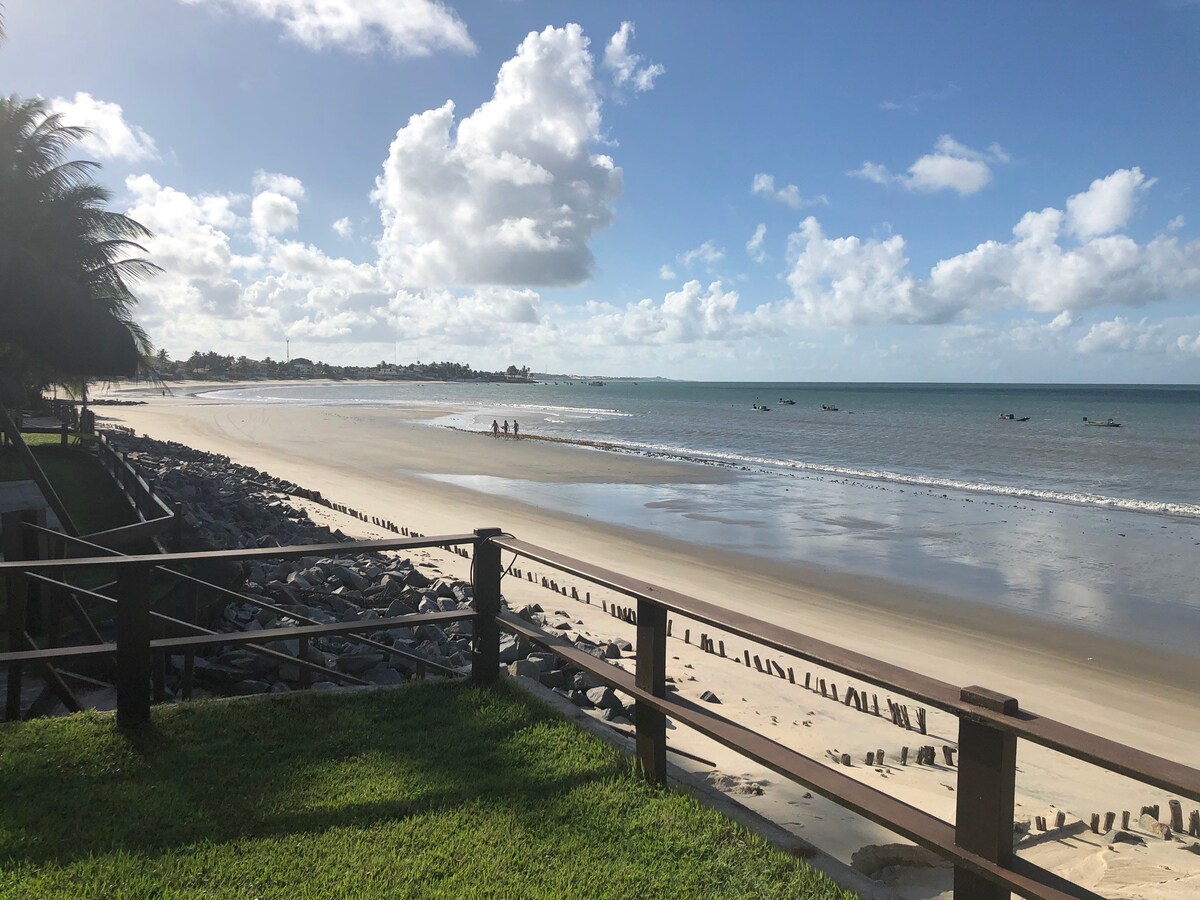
(219, 367)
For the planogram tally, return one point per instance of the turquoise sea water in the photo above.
(1098, 528)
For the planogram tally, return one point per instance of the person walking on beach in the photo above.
(505, 426)
(495, 429)
(516, 430)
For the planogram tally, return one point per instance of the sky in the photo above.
(859, 191)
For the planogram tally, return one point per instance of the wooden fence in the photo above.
(156, 520)
(979, 843)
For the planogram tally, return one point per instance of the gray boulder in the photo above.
(604, 698)
(524, 668)
(382, 675)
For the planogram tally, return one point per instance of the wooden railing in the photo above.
(156, 520)
(979, 843)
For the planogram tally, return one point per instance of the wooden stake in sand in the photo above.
(904, 756)
(1124, 819)
(1194, 823)
(1109, 818)
(1060, 819)
(1176, 816)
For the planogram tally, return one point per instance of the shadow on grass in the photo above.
(292, 765)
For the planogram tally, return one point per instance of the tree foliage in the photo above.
(67, 263)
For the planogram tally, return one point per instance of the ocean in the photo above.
(924, 484)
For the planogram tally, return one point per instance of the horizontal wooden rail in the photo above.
(247, 555)
(310, 631)
(77, 592)
(126, 534)
(266, 635)
(1137, 764)
(232, 594)
(895, 815)
(136, 488)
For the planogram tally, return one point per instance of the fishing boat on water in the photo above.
(787, 402)
(827, 408)
(1107, 423)
(1011, 417)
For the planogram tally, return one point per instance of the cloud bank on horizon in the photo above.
(488, 221)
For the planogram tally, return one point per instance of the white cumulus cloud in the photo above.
(707, 253)
(754, 246)
(287, 185)
(625, 65)
(789, 195)
(692, 313)
(854, 281)
(403, 27)
(1122, 334)
(343, 227)
(274, 213)
(952, 166)
(1107, 204)
(111, 136)
(514, 193)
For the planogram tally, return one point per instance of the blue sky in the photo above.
(807, 191)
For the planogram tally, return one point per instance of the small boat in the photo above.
(758, 407)
(829, 408)
(1010, 417)
(787, 402)
(597, 384)
(1107, 423)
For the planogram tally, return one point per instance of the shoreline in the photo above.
(778, 585)
(382, 464)
(998, 492)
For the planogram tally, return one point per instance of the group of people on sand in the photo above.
(516, 429)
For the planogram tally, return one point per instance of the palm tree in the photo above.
(66, 262)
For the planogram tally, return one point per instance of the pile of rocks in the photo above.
(563, 678)
(228, 506)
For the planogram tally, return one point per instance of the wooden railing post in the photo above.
(177, 529)
(15, 547)
(485, 662)
(133, 647)
(651, 676)
(987, 770)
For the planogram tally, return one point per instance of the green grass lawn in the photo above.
(433, 790)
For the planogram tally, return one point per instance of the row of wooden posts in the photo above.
(925, 756)
(898, 712)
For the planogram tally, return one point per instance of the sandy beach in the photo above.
(382, 462)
